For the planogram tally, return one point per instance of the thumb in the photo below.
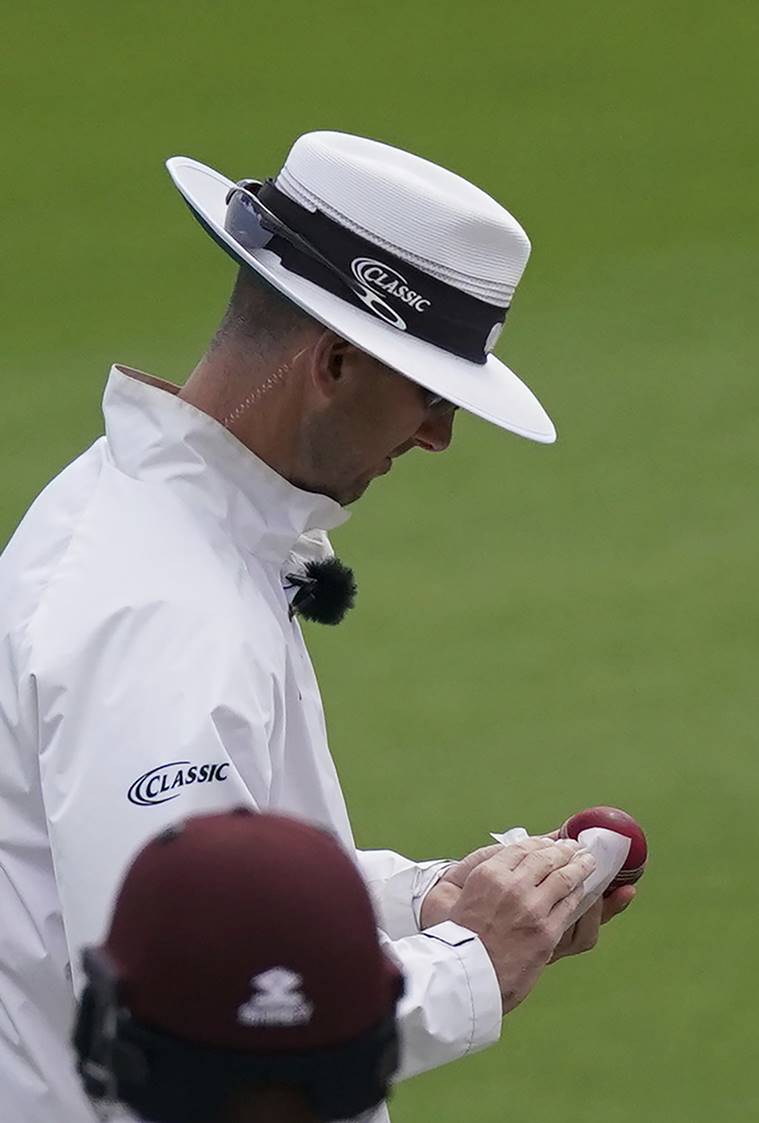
(617, 902)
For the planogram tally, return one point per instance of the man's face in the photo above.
(371, 416)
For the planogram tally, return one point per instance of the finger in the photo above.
(541, 863)
(567, 879)
(585, 933)
(563, 947)
(530, 851)
(564, 909)
(509, 858)
(617, 902)
(459, 871)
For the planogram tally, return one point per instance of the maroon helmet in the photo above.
(243, 952)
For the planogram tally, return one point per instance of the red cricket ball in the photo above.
(613, 820)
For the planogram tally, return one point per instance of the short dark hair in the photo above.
(259, 313)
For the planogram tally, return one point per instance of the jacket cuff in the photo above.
(480, 978)
(398, 887)
(452, 1002)
(404, 893)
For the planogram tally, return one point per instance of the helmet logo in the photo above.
(277, 1000)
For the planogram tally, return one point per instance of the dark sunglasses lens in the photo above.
(243, 223)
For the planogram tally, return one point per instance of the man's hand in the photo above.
(518, 901)
(582, 937)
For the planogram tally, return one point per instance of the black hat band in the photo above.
(314, 246)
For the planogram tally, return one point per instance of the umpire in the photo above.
(152, 663)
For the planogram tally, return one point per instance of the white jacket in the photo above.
(149, 670)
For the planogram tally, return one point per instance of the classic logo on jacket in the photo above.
(168, 781)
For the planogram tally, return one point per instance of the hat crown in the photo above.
(416, 210)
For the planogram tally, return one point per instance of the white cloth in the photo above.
(607, 847)
(149, 670)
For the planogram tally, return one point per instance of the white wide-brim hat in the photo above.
(417, 250)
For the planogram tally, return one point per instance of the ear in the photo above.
(333, 361)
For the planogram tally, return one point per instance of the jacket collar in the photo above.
(155, 436)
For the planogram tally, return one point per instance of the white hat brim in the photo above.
(489, 390)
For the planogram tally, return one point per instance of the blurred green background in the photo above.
(539, 628)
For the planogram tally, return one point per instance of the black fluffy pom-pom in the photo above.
(326, 591)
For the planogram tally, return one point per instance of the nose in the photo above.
(435, 432)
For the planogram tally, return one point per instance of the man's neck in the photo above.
(258, 402)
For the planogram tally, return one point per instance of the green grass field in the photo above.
(538, 628)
